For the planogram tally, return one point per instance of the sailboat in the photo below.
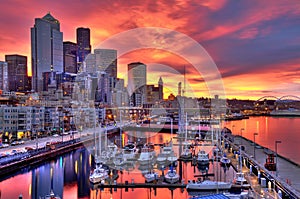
(99, 174)
(186, 153)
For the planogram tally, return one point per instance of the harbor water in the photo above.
(68, 175)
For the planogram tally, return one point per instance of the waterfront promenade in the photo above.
(288, 173)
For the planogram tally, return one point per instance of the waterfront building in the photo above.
(18, 79)
(3, 76)
(137, 81)
(46, 49)
(70, 57)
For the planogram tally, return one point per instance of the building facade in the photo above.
(3, 76)
(70, 57)
(137, 81)
(46, 49)
(83, 42)
(18, 79)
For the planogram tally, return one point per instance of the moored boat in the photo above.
(172, 176)
(202, 158)
(207, 185)
(98, 175)
(225, 162)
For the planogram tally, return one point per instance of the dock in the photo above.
(286, 179)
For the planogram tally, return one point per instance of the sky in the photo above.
(252, 45)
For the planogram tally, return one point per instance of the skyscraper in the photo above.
(70, 57)
(160, 89)
(83, 43)
(137, 80)
(103, 60)
(17, 73)
(46, 49)
(3, 76)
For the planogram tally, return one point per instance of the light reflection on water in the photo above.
(269, 129)
(68, 175)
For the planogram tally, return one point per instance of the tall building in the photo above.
(103, 60)
(46, 49)
(18, 79)
(70, 57)
(160, 89)
(3, 76)
(83, 43)
(137, 80)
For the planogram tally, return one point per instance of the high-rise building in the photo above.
(3, 76)
(160, 89)
(46, 49)
(70, 57)
(83, 43)
(17, 73)
(103, 60)
(137, 80)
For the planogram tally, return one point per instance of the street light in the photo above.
(254, 134)
(276, 142)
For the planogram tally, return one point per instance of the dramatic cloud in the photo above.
(255, 44)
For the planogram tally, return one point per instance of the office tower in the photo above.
(46, 49)
(3, 76)
(83, 43)
(103, 60)
(17, 73)
(137, 83)
(160, 89)
(70, 57)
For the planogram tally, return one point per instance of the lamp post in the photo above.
(276, 142)
(254, 134)
(241, 165)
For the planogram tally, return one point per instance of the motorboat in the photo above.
(202, 158)
(161, 158)
(172, 157)
(130, 151)
(151, 176)
(147, 155)
(98, 175)
(225, 162)
(171, 176)
(186, 153)
(51, 196)
(119, 159)
(193, 185)
(240, 180)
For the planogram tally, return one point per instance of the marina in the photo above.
(130, 176)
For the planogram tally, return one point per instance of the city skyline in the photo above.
(250, 42)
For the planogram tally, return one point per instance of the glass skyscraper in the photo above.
(46, 49)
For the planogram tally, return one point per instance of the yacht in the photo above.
(98, 175)
(161, 158)
(171, 176)
(186, 153)
(240, 180)
(119, 159)
(224, 161)
(172, 157)
(202, 158)
(207, 185)
(130, 151)
(147, 155)
(151, 176)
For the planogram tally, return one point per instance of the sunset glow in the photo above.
(254, 44)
